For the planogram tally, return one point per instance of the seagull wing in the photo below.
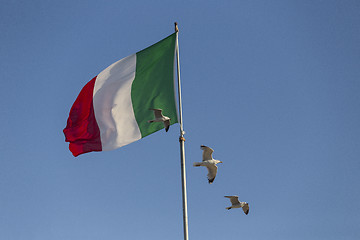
(167, 125)
(233, 199)
(207, 152)
(157, 113)
(246, 208)
(212, 169)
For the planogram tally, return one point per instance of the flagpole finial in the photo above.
(176, 27)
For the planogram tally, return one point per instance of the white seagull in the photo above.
(208, 162)
(236, 204)
(161, 118)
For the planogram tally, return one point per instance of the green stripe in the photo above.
(153, 86)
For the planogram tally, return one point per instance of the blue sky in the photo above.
(272, 86)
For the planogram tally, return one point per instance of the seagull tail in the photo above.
(197, 164)
(228, 208)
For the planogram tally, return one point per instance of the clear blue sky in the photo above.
(272, 86)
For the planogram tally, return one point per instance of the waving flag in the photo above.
(113, 109)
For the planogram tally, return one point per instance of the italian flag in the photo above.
(113, 109)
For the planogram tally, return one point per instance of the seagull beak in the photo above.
(220, 162)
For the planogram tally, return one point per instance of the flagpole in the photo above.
(182, 142)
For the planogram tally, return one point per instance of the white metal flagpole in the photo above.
(182, 141)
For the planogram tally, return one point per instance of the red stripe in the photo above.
(82, 130)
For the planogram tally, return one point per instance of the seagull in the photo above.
(236, 204)
(161, 118)
(208, 162)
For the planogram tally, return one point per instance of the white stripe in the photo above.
(113, 106)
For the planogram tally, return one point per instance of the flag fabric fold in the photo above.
(113, 109)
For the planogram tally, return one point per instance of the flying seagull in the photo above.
(208, 162)
(161, 118)
(236, 204)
